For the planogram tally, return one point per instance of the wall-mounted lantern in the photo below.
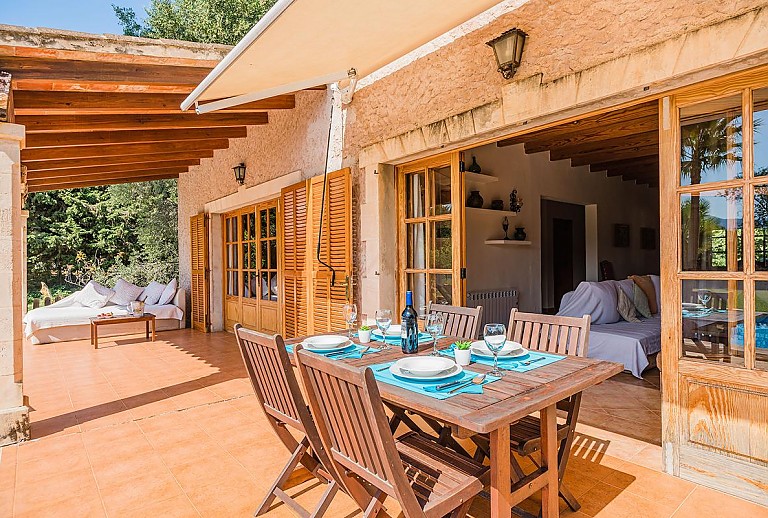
(508, 49)
(239, 170)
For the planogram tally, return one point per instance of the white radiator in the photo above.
(497, 304)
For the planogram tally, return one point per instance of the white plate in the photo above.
(425, 366)
(510, 348)
(325, 342)
(452, 371)
(691, 306)
(394, 330)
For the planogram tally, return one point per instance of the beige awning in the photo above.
(305, 43)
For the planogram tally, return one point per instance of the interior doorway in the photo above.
(563, 251)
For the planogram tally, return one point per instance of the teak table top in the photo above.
(502, 402)
(122, 319)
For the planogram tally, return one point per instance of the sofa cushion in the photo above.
(640, 300)
(596, 299)
(102, 290)
(90, 297)
(125, 292)
(646, 284)
(152, 292)
(625, 306)
(656, 280)
(168, 293)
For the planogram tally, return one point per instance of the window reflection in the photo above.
(760, 131)
(761, 325)
(711, 233)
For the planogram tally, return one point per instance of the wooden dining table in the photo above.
(501, 404)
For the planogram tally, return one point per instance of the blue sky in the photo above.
(94, 16)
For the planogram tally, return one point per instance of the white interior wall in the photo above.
(536, 177)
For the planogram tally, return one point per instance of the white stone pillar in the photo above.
(24, 220)
(14, 414)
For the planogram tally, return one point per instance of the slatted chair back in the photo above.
(459, 321)
(549, 333)
(353, 427)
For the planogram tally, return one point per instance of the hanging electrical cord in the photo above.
(322, 203)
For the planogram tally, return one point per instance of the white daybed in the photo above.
(66, 320)
(611, 338)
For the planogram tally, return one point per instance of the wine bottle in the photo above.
(409, 327)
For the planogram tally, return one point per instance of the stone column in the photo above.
(24, 219)
(14, 414)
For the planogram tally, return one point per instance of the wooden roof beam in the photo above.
(616, 164)
(99, 169)
(62, 123)
(155, 159)
(71, 103)
(79, 178)
(643, 139)
(43, 140)
(97, 183)
(619, 154)
(160, 148)
(625, 129)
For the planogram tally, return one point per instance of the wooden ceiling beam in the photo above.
(157, 159)
(98, 183)
(587, 123)
(113, 175)
(640, 140)
(98, 169)
(50, 153)
(62, 123)
(639, 172)
(72, 103)
(616, 164)
(62, 85)
(624, 129)
(619, 154)
(43, 140)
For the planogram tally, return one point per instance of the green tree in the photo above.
(205, 21)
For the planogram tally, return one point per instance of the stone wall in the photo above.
(294, 140)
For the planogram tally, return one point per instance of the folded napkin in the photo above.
(514, 363)
(427, 388)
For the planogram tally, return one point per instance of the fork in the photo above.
(344, 354)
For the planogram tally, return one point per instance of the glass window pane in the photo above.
(265, 286)
(441, 288)
(760, 131)
(233, 252)
(441, 191)
(228, 229)
(253, 262)
(416, 244)
(244, 226)
(235, 283)
(264, 255)
(273, 286)
(710, 141)
(761, 227)
(711, 230)
(441, 249)
(713, 321)
(417, 283)
(273, 254)
(253, 284)
(273, 222)
(251, 226)
(245, 255)
(263, 223)
(414, 195)
(233, 229)
(761, 325)
(229, 283)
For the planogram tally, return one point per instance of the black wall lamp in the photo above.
(239, 173)
(508, 49)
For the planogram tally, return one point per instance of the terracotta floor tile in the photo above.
(52, 447)
(111, 473)
(708, 502)
(213, 469)
(606, 501)
(653, 485)
(176, 507)
(649, 457)
(46, 493)
(227, 500)
(6, 501)
(136, 492)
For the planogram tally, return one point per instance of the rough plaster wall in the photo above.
(564, 37)
(293, 140)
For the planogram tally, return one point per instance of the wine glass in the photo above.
(350, 315)
(495, 336)
(383, 321)
(422, 312)
(704, 297)
(434, 326)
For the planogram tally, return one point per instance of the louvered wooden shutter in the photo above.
(327, 298)
(293, 258)
(198, 225)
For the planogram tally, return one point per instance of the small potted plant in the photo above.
(462, 353)
(364, 334)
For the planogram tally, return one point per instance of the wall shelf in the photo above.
(472, 180)
(508, 213)
(507, 242)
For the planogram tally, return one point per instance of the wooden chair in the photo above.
(277, 390)
(459, 321)
(428, 480)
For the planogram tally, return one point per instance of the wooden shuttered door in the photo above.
(200, 313)
(312, 295)
(293, 255)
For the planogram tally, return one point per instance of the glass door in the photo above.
(431, 209)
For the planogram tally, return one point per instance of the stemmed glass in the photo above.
(704, 297)
(434, 326)
(350, 315)
(495, 336)
(383, 321)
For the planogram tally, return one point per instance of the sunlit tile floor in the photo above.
(172, 428)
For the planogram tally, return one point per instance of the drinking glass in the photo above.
(704, 297)
(350, 315)
(422, 315)
(495, 336)
(434, 326)
(383, 321)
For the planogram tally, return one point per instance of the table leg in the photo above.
(501, 463)
(146, 326)
(91, 333)
(153, 329)
(95, 336)
(550, 500)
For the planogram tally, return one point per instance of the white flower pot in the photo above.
(364, 336)
(463, 356)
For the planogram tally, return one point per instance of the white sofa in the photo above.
(63, 321)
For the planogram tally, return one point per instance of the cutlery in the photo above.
(450, 384)
(534, 360)
(385, 367)
(477, 380)
(344, 354)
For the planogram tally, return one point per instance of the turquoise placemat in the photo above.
(427, 388)
(395, 340)
(350, 354)
(514, 364)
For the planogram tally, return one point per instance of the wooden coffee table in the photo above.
(147, 318)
